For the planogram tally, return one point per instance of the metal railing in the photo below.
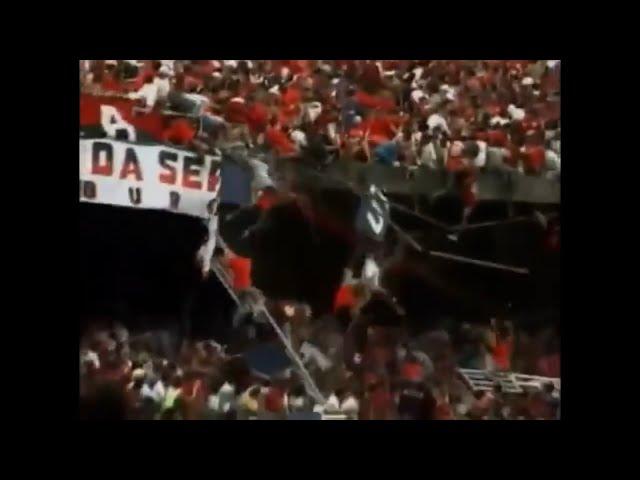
(310, 385)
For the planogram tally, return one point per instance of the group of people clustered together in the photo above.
(459, 115)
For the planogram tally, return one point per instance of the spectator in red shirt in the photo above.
(350, 295)
(371, 77)
(290, 98)
(274, 401)
(257, 116)
(277, 138)
(241, 269)
(497, 137)
(373, 102)
(411, 369)
(382, 128)
(110, 79)
(533, 159)
(267, 198)
(531, 123)
(501, 344)
(181, 131)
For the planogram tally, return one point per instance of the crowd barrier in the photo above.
(511, 382)
(505, 185)
(310, 385)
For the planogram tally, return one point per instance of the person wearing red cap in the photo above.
(236, 111)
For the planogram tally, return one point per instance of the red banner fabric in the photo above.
(151, 123)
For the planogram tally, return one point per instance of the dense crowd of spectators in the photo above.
(360, 357)
(454, 114)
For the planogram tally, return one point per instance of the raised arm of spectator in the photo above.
(365, 146)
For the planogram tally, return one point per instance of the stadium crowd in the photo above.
(458, 115)
(360, 357)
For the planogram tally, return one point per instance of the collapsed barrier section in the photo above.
(511, 382)
(310, 385)
(504, 184)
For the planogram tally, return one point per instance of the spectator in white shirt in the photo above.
(418, 94)
(371, 272)
(480, 159)
(226, 397)
(312, 111)
(498, 121)
(160, 388)
(515, 113)
(350, 407)
(91, 357)
(148, 93)
(297, 399)
(432, 153)
(332, 405)
(299, 138)
(552, 160)
(437, 120)
(552, 164)
(162, 83)
(447, 92)
(156, 392)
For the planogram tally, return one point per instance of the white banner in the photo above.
(154, 177)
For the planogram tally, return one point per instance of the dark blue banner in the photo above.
(372, 219)
(236, 184)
